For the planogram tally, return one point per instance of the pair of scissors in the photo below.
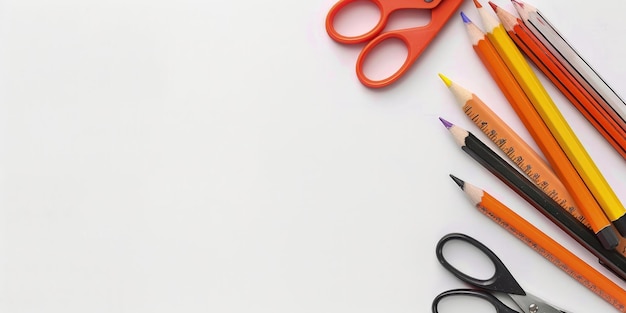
(416, 39)
(501, 281)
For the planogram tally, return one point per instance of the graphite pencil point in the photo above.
(458, 181)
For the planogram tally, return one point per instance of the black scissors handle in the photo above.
(501, 281)
(500, 307)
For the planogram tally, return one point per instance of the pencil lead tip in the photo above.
(458, 181)
(466, 19)
(493, 6)
(445, 79)
(477, 4)
(520, 4)
(446, 123)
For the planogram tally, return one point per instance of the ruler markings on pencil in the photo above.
(552, 258)
(528, 170)
(510, 151)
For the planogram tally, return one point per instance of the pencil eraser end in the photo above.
(608, 238)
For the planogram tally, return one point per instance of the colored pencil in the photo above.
(512, 145)
(551, 250)
(536, 127)
(537, 52)
(552, 117)
(522, 155)
(571, 59)
(533, 195)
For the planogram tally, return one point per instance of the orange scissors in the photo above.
(416, 39)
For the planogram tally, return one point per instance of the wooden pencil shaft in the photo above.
(552, 67)
(575, 64)
(541, 101)
(552, 251)
(588, 106)
(546, 205)
(543, 178)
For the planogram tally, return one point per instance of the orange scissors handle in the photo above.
(335, 35)
(416, 40)
(386, 7)
(412, 54)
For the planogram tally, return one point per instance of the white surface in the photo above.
(204, 156)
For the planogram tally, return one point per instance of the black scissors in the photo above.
(501, 281)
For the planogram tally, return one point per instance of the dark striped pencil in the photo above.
(514, 147)
(542, 202)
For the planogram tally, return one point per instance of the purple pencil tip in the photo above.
(445, 123)
(466, 19)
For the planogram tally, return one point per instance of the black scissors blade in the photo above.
(532, 304)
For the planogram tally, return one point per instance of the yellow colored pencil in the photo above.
(553, 118)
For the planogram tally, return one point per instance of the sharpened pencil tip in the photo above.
(458, 181)
(515, 2)
(445, 79)
(477, 4)
(446, 123)
(466, 19)
(493, 6)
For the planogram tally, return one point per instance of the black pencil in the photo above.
(484, 155)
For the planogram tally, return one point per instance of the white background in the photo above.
(205, 156)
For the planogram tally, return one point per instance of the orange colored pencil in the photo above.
(593, 111)
(544, 245)
(533, 166)
(535, 125)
